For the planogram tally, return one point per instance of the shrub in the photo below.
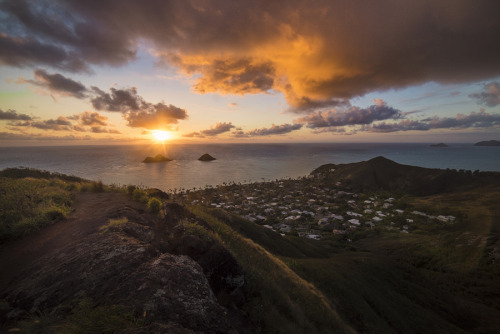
(139, 195)
(97, 187)
(86, 317)
(130, 189)
(154, 205)
(113, 223)
(54, 214)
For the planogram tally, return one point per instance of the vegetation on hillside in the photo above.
(31, 199)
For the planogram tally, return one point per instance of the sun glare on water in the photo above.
(161, 135)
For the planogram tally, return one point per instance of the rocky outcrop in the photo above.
(206, 157)
(177, 281)
(157, 158)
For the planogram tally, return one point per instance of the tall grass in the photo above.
(28, 204)
(280, 301)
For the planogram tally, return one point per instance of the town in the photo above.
(307, 207)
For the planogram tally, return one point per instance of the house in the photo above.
(354, 221)
(323, 221)
(353, 214)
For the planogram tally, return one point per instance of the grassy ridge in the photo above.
(281, 301)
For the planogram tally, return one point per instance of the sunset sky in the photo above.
(101, 72)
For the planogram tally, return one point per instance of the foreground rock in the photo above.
(157, 158)
(206, 157)
(139, 265)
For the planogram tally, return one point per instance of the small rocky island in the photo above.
(157, 158)
(488, 143)
(206, 157)
(439, 145)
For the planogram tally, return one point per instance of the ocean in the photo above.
(122, 165)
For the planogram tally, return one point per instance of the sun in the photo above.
(161, 135)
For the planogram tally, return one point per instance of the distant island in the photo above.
(439, 145)
(206, 157)
(157, 158)
(488, 143)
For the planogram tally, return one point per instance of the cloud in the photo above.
(60, 124)
(38, 136)
(213, 131)
(118, 100)
(218, 129)
(155, 117)
(317, 53)
(85, 122)
(350, 116)
(241, 76)
(59, 37)
(57, 83)
(480, 119)
(137, 112)
(12, 115)
(273, 130)
(490, 96)
(24, 52)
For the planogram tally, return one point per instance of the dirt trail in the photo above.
(91, 211)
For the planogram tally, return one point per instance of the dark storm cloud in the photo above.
(57, 83)
(351, 116)
(312, 51)
(12, 115)
(25, 52)
(59, 37)
(490, 96)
